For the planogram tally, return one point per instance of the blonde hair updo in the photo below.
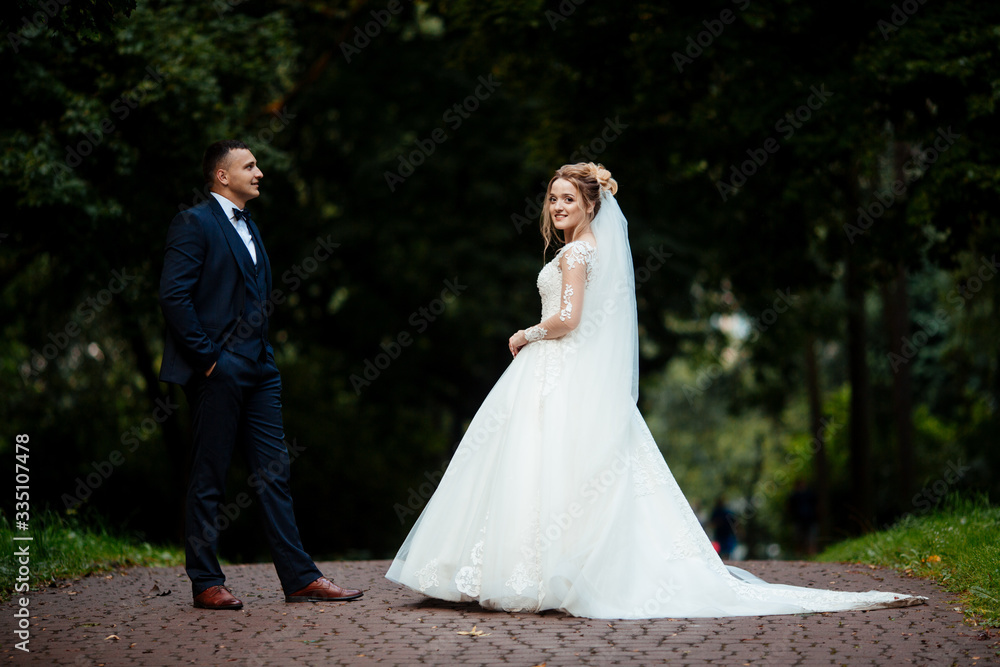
(590, 180)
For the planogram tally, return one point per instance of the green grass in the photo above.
(66, 547)
(957, 545)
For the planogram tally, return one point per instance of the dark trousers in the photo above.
(240, 404)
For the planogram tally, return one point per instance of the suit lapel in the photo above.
(236, 245)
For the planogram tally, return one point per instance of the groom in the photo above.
(213, 293)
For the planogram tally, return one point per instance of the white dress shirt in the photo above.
(239, 223)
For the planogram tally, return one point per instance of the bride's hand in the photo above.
(516, 342)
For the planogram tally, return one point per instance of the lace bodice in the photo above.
(561, 284)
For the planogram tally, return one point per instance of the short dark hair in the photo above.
(215, 154)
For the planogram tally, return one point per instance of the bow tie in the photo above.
(241, 214)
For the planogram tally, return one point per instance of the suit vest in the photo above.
(250, 337)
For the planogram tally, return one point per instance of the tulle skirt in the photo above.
(558, 498)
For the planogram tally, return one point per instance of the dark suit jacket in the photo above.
(203, 287)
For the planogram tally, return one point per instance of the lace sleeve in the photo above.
(531, 334)
(575, 265)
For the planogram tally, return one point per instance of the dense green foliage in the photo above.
(753, 142)
(955, 545)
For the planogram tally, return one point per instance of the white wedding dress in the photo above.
(558, 497)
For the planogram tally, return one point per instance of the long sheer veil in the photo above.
(607, 338)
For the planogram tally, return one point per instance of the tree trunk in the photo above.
(820, 466)
(897, 320)
(859, 431)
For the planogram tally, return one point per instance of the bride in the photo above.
(557, 496)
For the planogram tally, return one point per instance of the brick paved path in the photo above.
(391, 625)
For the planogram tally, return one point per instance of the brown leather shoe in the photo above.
(324, 590)
(216, 597)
